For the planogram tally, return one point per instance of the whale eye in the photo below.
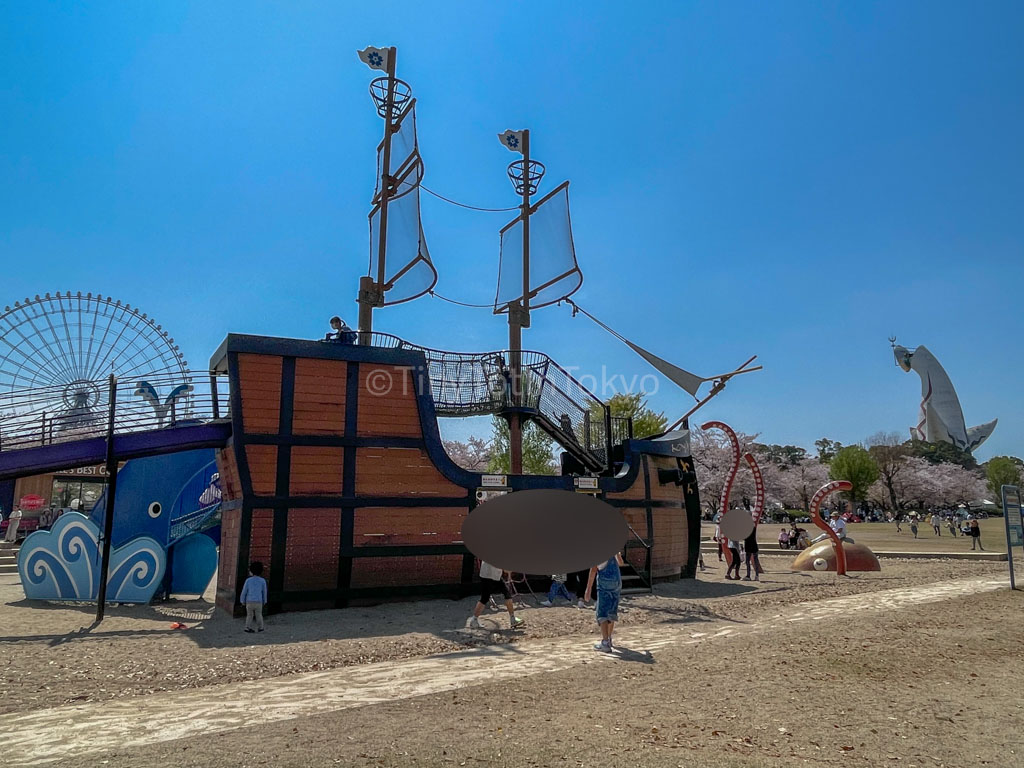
(155, 509)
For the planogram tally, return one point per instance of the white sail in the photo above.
(554, 272)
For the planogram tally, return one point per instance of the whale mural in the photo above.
(64, 564)
(163, 507)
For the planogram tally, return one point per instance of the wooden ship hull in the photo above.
(336, 479)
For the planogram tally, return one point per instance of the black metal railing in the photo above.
(473, 384)
(80, 410)
(633, 544)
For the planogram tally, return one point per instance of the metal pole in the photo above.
(515, 422)
(526, 229)
(215, 394)
(371, 292)
(519, 318)
(608, 438)
(108, 520)
(42, 431)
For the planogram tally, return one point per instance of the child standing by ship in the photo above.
(609, 590)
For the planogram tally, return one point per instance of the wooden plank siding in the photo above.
(387, 402)
(319, 397)
(401, 472)
(227, 586)
(230, 483)
(262, 462)
(260, 388)
(312, 548)
(319, 431)
(381, 526)
(406, 571)
(261, 537)
(316, 470)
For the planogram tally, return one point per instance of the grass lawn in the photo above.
(884, 538)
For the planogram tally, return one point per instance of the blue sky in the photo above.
(794, 180)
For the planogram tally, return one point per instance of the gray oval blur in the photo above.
(736, 524)
(544, 531)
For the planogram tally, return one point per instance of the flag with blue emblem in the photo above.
(513, 140)
(374, 58)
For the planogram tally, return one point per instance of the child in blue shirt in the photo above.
(609, 589)
(254, 595)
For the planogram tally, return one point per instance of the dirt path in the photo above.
(46, 735)
(52, 656)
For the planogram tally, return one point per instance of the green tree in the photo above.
(941, 453)
(646, 422)
(782, 455)
(1000, 471)
(855, 464)
(890, 456)
(827, 449)
(538, 450)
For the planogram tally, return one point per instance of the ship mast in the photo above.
(371, 288)
(525, 175)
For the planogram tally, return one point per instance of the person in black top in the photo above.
(750, 547)
(975, 534)
(341, 333)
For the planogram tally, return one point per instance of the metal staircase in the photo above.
(473, 384)
(636, 573)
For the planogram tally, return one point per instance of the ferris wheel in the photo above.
(56, 351)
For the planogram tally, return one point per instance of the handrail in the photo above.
(638, 537)
(478, 383)
(78, 411)
(644, 575)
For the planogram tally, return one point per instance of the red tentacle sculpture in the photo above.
(816, 500)
(731, 477)
(758, 488)
(727, 487)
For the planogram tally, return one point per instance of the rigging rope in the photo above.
(464, 205)
(643, 353)
(437, 295)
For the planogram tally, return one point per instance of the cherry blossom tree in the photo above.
(475, 454)
(712, 457)
(794, 485)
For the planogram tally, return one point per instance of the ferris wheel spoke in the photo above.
(125, 355)
(99, 369)
(92, 338)
(13, 376)
(72, 363)
(75, 358)
(37, 363)
(78, 327)
(7, 367)
(139, 350)
(60, 360)
(48, 344)
(94, 365)
(168, 367)
(40, 356)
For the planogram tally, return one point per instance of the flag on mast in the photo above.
(513, 140)
(374, 58)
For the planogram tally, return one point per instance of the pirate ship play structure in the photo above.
(330, 461)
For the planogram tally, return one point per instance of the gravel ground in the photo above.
(52, 656)
(935, 685)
